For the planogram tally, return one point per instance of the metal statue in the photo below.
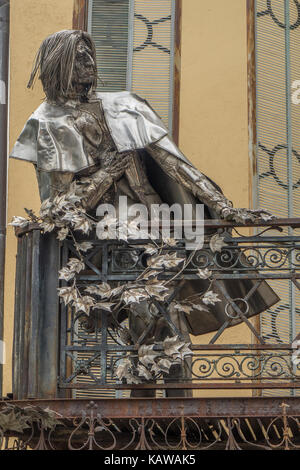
(118, 141)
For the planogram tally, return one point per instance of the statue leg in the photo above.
(139, 321)
(50, 183)
(178, 372)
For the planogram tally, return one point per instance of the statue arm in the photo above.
(196, 182)
(92, 188)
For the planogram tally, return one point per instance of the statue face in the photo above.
(84, 67)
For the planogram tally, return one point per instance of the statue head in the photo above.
(66, 62)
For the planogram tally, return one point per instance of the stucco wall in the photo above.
(213, 104)
(213, 108)
(31, 21)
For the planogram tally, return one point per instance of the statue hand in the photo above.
(241, 215)
(100, 181)
(117, 169)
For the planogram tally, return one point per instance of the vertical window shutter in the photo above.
(153, 54)
(135, 49)
(108, 24)
(278, 141)
(90, 339)
(134, 42)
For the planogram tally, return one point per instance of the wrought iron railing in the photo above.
(158, 424)
(52, 341)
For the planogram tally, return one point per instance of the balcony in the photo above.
(68, 392)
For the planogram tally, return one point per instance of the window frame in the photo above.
(80, 21)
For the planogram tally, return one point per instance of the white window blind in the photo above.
(135, 49)
(134, 42)
(108, 24)
(278, 142)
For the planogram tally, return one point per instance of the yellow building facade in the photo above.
(213, 113)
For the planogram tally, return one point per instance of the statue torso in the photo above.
(90, 123)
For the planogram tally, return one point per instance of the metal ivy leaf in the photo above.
(104, 306)
(210, 298)
(132, 379)
(124, 336)
(156, 369)
(87, 184)
(164, 365)
(102, 290)
(45, 207)
(19, 222)
(122, 231)
(123, 371)
(109, 225)
(48, 418)
(31, 215)
(172, 345)
(216, 243)
(168, 260)
(200, 307)
(83, 225)
(65, 274)
(134, 295)
(132, 230)
(72, 197)
(62, 234)
(184, 351)
(157, 290)
(143, 372)
(75, 265)
(59, 202)
(170, 241)
(92, 289)
(123, 368)
(71, 218)
(149, 249)
(117, 291)
(148, 274)
(68, 294)
(147, 354)
(16, 419)
(181, 307)
(10, 420)
(47, 226)
(175, 348)
(266, 217)
(204, 273)
(84, 304)
(84, 246)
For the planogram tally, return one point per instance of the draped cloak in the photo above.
(52, 143)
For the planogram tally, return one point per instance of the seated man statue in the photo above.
(118, 141)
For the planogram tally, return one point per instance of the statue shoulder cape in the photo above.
(50, 140)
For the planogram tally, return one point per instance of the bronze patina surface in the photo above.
(117, 140)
